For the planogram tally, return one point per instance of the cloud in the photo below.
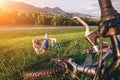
(90, 8)
(94, 9)
(116, 5)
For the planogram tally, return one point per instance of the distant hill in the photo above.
(55, 10)
(20, 6)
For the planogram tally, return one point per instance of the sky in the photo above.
(90, 7)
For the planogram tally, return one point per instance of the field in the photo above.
(16, 51)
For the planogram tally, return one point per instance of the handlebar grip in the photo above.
(107, 10)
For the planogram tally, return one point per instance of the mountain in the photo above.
(20, 6)
(55, 10)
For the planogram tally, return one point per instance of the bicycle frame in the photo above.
(91, 69)
(108, 13)
(88, 69)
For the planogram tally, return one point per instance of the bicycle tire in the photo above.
(56, 70)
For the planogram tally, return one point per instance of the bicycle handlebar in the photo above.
(87, 32)
(110, 19)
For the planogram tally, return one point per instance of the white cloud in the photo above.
(117, 6)
(90, 8)
(94, 9)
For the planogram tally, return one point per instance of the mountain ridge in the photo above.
(21, 6)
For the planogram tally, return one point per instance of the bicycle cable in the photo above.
(98, 72)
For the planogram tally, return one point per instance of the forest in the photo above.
(13, 17)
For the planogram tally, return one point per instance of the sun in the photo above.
(2, 2)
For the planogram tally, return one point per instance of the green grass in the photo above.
(16, 51)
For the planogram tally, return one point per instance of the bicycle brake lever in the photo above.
(92, 39)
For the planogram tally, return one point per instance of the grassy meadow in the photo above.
(16, 51)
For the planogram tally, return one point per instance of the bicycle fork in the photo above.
(114, 69)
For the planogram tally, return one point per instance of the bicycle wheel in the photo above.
(45, 70)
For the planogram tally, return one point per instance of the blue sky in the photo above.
(83, 6)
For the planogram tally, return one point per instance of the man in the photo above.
(41, 45)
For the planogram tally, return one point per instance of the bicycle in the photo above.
(109, 27)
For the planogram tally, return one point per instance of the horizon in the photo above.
(92, 7)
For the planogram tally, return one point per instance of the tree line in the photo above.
(37, 18)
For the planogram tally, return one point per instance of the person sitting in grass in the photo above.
(41, 45)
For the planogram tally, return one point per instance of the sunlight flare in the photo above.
(2, 2)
